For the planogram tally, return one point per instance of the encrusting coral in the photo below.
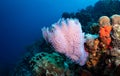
(93, 49)
(54, 64)
(45, 64)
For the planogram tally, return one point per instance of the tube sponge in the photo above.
(66, 37)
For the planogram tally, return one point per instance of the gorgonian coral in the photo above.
(66, 37)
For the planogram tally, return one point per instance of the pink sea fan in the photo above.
(67, 37)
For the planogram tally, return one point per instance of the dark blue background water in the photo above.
(21, 22)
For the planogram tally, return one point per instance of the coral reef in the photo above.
(49, 64)
(44, 64)
(65, 50)
(101, 54)
(54, 55)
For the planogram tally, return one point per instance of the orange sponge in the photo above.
(105, 34)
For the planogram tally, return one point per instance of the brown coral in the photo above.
(116, 26)
(116, 32)
(93, 60)
(96, 43)
(92, 46)
(115, 19)
(116, 37)
(104, 20)
(45, 64)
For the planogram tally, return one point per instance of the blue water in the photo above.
(21, 22)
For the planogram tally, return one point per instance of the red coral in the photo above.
(105, 34)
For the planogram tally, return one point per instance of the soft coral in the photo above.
(67, 38)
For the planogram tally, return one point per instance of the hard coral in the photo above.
(116, 37)
(115, 19)
(104, 20)
(116, 31)
(45, 64)
(92, 46)
(116, 26)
